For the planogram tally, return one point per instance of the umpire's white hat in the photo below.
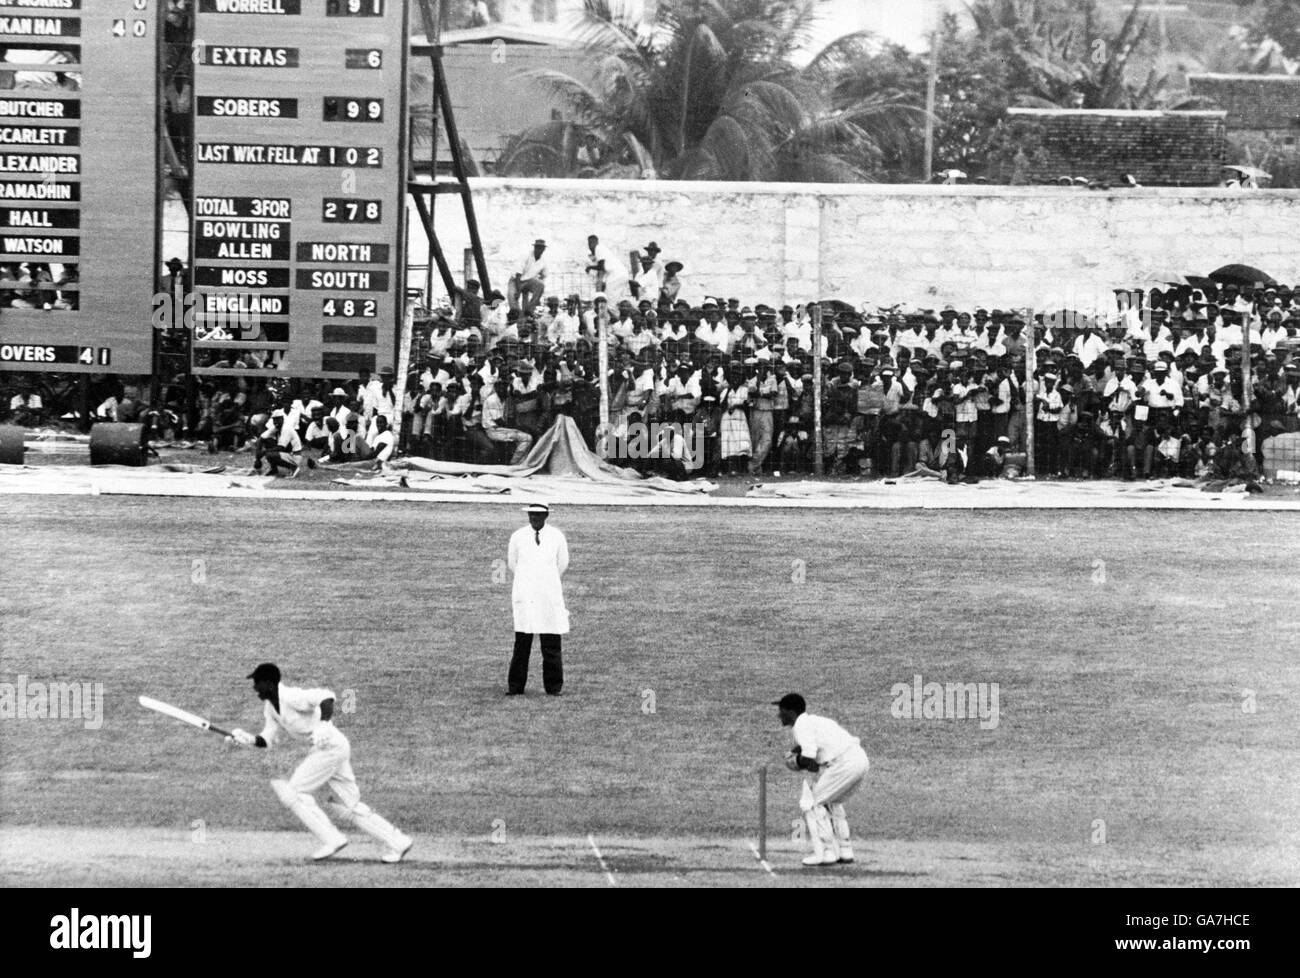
(537, 508)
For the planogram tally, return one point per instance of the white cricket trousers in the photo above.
(841, 777)
(332, 766)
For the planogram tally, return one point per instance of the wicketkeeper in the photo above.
(305, 714)
(822, 746)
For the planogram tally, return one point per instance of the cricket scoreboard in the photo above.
(78, 184)
(298, 216)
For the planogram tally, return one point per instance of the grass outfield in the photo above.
(1121, 701)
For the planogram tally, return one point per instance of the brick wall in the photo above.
(996, 246)
(1254, 102)
(1160, 149)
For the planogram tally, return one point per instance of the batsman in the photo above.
(307, 714)
(823, 747)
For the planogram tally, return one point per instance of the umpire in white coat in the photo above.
(538, 556)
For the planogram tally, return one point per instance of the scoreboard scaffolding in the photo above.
(78, 184)
(298, 216)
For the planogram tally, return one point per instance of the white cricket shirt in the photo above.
(299, 713)
(821, 738)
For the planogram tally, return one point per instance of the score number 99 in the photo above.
(339, 108)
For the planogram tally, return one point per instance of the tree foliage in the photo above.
(710, 90)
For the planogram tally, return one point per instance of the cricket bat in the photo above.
(184, 716)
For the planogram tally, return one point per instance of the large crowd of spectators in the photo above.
(1152, 388)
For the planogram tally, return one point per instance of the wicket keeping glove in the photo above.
(320, 737)
(792, 758)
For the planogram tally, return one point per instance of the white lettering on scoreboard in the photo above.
(299, 166)
(78, 181)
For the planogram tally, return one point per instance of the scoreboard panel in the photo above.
(78, 184)
(298, 230)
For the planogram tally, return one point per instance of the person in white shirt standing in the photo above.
(538, 556)
(530, 281)
(307, 714)
(822, 746)
(608, 273)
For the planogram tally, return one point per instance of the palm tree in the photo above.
(709, 90)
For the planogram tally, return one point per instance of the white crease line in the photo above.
(761, 861)
(601, 859)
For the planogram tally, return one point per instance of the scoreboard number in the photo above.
(350, 308)
(340, 108)
(139, 28)
(354, 8)
(369, 58)
(344, 210)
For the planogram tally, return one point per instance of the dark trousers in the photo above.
(552, 664)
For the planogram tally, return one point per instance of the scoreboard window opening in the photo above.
(239, 358)
(38, 285)
(23, 67)
(217, 330)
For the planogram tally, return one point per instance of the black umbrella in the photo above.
(1243, 276)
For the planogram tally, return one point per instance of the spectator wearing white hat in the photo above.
(280, 446)
(1047, 412)
(529, 281)
(649, 278)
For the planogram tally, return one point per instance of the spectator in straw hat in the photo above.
(530, 280)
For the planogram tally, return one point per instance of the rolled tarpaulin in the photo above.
(11, 444)
(118, 444)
